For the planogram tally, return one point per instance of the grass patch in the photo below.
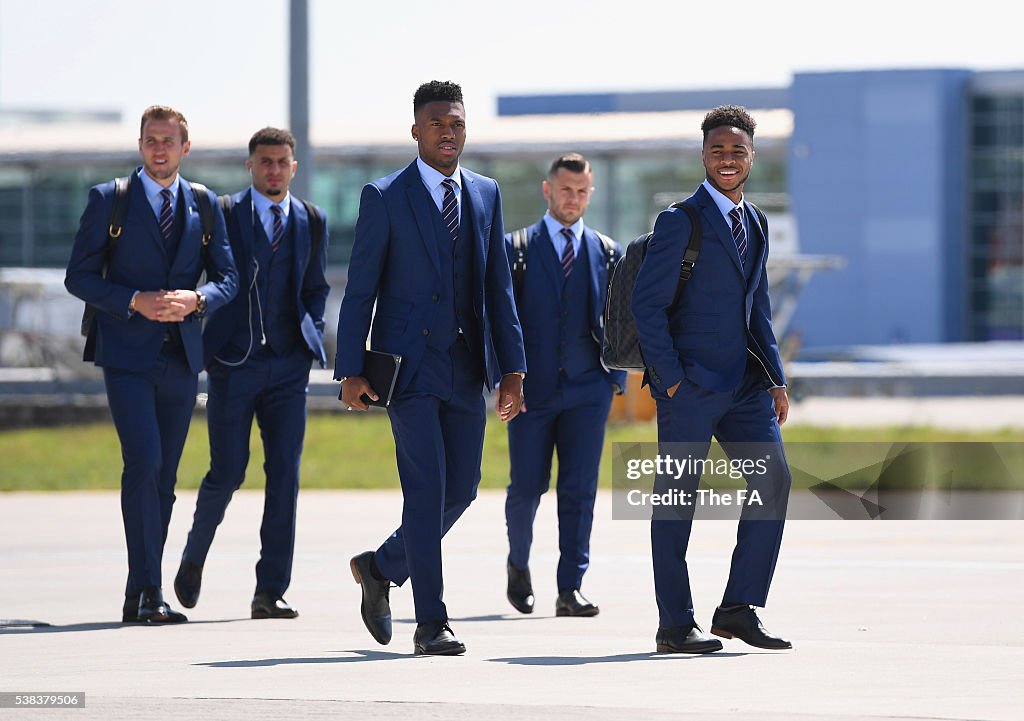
(342, 450)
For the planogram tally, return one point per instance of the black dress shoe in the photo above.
(153, 609)
(520, 589)
(572, 603)
(685, 639)
(436, 638)
(130, 610)
(271, 605)
(376, 605)
(743, 623)
(187, 583)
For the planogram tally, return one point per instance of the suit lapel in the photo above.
(142, 213)
(542, 244)
(762, 247)
(476, 207)
(420, 202)
(595, 258)
(301, 240)
(191, 227)
(241, 214)
(723, 232)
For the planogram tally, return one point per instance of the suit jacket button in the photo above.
(435, 298)
(426, 332)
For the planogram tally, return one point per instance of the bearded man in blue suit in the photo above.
(146, 334)
(714, 369)
(258, 351)
(569, 392)
(429, 253)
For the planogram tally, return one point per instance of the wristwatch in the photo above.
(200, 303)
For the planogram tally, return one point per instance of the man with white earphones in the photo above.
(258, 351)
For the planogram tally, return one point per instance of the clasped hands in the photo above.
(166, 306)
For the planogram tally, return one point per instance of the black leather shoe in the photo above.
(685, 639)
(130, 610)
(187, 583)
(436, 638)
(572, 603)
(743, 623)
(376, 605)
(520, 589)
(153, 609)
(271, 605)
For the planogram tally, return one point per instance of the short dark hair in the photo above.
(733, 116)
(573, 162)
(163, 112)
(444, 91)
(271, 136)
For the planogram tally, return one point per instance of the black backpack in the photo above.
(122, 197)
(316, 221)
(621, 347)
(521, 243)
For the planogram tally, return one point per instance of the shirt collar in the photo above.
(725, 205)
(262, 203)
(153, 188)
(555, 228)
(432, 177)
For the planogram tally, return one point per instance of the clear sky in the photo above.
(223, 62)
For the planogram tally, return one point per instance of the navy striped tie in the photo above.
(568, 255)
(166, 216)
(450, 209)
(275, 242)
(739, 234)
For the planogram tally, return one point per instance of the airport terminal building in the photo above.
(913, 178)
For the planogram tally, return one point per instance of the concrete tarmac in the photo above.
(889, 620)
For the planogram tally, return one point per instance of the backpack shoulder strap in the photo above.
(761, 218)
(520, 243)
(205, 210)
(611, 253)
(690, 254)
(316, 226)
(226, 206)
(122, 187)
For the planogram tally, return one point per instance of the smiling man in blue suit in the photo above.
(429, 252)
(146, 334)
(569, 392)
(258, 352)
(714, 368)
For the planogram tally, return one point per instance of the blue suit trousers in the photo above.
(741, 420)
(572, 420)
(439, 445)
(272, 389)
(152, 410)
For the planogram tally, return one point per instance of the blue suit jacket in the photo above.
(539, 317)
(395, 264)
(722, 320)
(311, 285)
(130, 341)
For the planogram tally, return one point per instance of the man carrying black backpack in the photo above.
(258, 352)
(713, 365)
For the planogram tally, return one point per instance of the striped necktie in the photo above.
(275, 242)
(450, 209)
(739, 234)
(166, 216)
(568, 255)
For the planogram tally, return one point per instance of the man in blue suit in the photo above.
(714, 368)
(146, 334)
(569, 391)
(429, 252)
(258, 351)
